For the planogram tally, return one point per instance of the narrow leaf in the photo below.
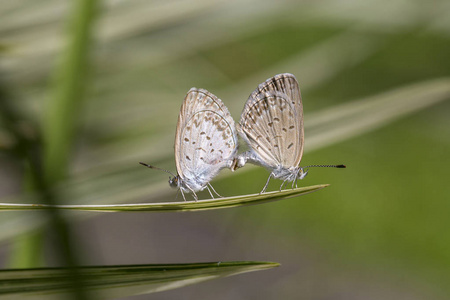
(176, 206)
(108, 282)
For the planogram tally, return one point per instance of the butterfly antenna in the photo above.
(325, 166)
(153, 167)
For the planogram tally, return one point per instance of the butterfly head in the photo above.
(302, 173)
(174, 181)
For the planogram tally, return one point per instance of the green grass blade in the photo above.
(361, 116)
(61, 117)
(176, 206)
(49, 165)
(106, 282)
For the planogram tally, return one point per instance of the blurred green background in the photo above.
(380, 231)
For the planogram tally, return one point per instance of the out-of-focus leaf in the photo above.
(107, 282)
(358, 117)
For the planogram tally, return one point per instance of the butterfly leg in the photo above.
(267, 183)
(193, 193)
(281, 186)
(182, 193)
(209, 190)
(195, 196)
(214, 191)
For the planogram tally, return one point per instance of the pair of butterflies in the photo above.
(206, 139)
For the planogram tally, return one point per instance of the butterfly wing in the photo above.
(285, 83)
(205, 139)
(272, 122)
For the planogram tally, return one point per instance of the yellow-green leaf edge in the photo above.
(176, 206)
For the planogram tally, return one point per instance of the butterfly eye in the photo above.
(173, 182)
(302, 173)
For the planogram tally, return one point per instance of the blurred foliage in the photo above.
(379, 230)
(107, 282)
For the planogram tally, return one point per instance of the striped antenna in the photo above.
(325, 166)
(156, 168)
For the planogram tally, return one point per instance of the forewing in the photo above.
(285, 83)
(286, 146)
(200, 99)
(272, 131)
(205, 139)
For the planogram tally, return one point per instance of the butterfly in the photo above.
(205, 142)
(272, 125)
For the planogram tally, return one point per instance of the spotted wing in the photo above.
(285, 83)
(205, 140)
(272, 122)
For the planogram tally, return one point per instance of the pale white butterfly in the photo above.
(205, 142)
(272, 125)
